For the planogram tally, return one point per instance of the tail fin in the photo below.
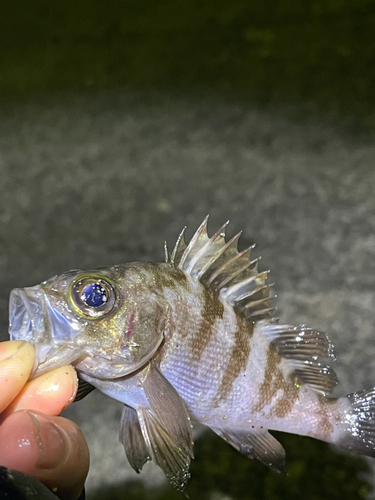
(360, 437)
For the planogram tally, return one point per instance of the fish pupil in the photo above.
(94, 295)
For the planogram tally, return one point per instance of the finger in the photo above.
(51, 449)
(50, 393)
(16, 362)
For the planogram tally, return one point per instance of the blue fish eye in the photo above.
(94, 295)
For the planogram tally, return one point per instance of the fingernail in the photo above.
(54, 443)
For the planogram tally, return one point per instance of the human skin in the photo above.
(33, 438)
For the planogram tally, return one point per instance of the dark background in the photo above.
(121, 122)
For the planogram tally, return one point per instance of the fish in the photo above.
(192, 339)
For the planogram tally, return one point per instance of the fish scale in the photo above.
(193, 338)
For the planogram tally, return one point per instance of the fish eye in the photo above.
(92, 295)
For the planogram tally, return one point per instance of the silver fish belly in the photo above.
(192, 339)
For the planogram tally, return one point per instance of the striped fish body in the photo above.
(192, 339)
(227, 371)
(230, 375)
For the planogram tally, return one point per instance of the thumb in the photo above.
(51, 449)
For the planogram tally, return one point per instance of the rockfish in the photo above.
(192, 339)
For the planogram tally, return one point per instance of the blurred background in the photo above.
(122, 122)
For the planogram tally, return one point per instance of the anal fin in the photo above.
(132, 439)
(257, 443)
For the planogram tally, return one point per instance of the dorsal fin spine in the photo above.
(226, 282)
(180, 240)
(255, 303)
(229, 262)
(234, 290)
(232, 242)
(202, 229)
(219, 234)
(167, 255)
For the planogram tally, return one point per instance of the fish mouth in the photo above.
(27, 314)
(33, 319)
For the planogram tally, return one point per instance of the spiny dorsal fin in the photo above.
(219, 265)
(302, 351)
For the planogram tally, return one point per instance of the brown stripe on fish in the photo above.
(272, 383)
(212, 309)
(238, 359)
(166, 275)
(330, 414)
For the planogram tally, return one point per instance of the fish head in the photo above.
(108, 323)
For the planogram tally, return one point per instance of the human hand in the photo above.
(32, 438)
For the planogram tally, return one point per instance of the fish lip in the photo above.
(26, 314)
(55, 355)
(33, 318)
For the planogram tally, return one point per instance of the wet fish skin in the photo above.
(192, 339)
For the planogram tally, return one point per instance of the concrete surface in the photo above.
(93, 180)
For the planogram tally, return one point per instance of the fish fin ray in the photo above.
(196, 243)
(167, 255)
(360, 435)
(168, 427)
(84, 388)
(132, 439)
(257, 443)
(173, 461)
(219, 266)
(302, 351)
(178, 249)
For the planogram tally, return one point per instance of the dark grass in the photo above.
(315, 472)
(321, 51)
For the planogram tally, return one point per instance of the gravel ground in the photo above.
(93, 180)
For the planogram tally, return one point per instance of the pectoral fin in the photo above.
(257, 443)
(166, 428)
(132, 439)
